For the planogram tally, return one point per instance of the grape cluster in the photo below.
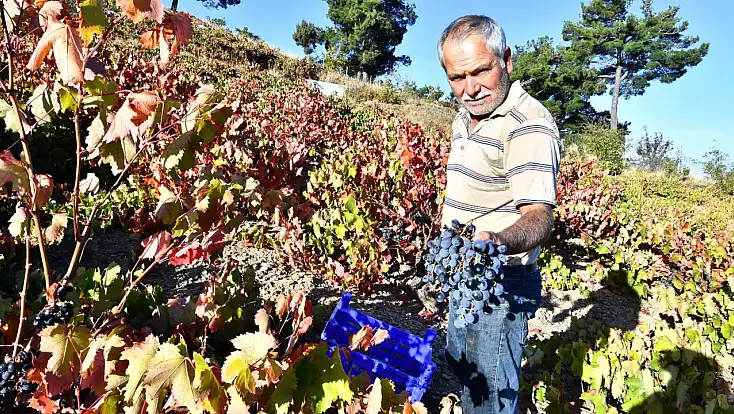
(13, 379)
(60, 312)
(469, 272)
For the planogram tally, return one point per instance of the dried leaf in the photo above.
(42, 403)
(134, 116)
(138, 10)
(281, 305)
(55, 232)
(262, 320)
(44, 189)
(361, 339)
(379, 336)
(89, 185)
(67, 49)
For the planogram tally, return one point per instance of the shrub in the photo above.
(597, 141)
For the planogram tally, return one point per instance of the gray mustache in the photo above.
(467, 98)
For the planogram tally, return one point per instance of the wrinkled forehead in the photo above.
(472, 50)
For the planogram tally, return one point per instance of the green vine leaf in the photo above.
(208, 387)
(63, 343)
(94, 19)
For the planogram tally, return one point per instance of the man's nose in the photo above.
(472, 86)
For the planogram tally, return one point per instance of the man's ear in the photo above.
(508, 59)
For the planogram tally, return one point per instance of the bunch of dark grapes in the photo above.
(13, 379)
(60, 312)
(469, 272)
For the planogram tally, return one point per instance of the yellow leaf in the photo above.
(254, 346)
(138, 358)
(169, 368)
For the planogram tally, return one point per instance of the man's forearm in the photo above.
(531, 230)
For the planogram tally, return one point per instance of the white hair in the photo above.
(466, 26)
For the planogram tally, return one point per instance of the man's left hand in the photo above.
(488, 235)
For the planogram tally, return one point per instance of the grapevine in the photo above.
(468, 271)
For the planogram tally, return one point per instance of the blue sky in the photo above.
(690, 111)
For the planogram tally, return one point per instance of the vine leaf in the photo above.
(208, 387)
(282, 398)
(90, 184)
(171, 368)
(55, 232)
(262, 320)
(13, 171)
(44, 189)
(67, 49)
(61, 342)
(134, 116)
(331, 383)
(17, 226)
(252, 347)
(138, 358)
(94, 20)
(44, 103)
(156, 245)
(176, 27)
(138, 10)
(12, 122)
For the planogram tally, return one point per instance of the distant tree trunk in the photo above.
(615, 96)
(174, 5)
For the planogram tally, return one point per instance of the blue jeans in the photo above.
(486, 356)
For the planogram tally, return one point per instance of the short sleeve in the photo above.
(532, 160)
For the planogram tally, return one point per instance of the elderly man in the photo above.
(505, 153)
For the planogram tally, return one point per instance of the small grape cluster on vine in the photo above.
(59, 313)
(13, 379)
(469, 272)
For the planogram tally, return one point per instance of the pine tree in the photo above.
(631, 51)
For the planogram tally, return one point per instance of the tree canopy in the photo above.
(631, 51)
(559, 78)
(364, 35)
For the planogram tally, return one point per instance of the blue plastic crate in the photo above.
(403, 358)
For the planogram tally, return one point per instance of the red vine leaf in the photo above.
(134, 116)
(13, 171)
(305, 324)
(42, 403)
(156, 245)
(67, 47)
(138, 10)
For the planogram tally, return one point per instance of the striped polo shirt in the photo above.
(508, 159)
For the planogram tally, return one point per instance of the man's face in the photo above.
(476, 75)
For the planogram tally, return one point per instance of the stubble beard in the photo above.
(493, 101)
